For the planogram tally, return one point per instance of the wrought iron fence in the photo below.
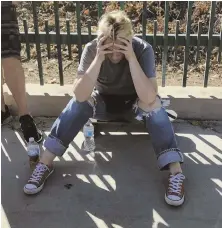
(164, 40)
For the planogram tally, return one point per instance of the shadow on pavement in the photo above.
(120, 187)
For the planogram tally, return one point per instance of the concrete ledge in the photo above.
(189, 103)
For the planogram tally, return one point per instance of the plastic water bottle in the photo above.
(89, 141)
(33, 152)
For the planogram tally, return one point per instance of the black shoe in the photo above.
(6, 116)
(29, 129)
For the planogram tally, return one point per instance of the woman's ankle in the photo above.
(175, 168)
(47, 158)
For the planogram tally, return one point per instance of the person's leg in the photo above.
(2, 96)
(15, 80)
(70, 122)
(10, 57)
(63, 131)
(165, 146)
(5, 113)
(13, 71)
(2, 101)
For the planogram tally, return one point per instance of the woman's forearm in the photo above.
(144, 87)
(84, 84)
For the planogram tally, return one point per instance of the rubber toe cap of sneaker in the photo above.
(173, 197)
(30, 187)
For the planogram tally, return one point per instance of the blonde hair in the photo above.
(115, 23)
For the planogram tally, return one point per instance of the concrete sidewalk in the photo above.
(120, 188)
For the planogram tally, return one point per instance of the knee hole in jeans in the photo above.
(146, 108)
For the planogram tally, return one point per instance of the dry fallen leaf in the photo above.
(52, 81)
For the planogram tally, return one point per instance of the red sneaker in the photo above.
(175, 191)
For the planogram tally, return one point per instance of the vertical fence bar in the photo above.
(165, 45)
(185, 67)
(47, 38)
(68, 38)
(58, 42)
(89, 29)
(220, 47)
(154, 35)
(37, 41)
(209, 47)
(198, 40)
(26, 39)
(144, 20)
(100, 9)
(79, 30)
(176, 39)
(122, 5)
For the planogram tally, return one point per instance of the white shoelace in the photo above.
(38, 172)
(175, 183)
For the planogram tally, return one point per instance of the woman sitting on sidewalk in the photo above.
(116, 75)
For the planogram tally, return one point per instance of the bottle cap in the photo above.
(31, 139)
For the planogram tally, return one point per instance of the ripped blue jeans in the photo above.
(76, 114)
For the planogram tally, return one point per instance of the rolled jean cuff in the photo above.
(54, 145)
(169, 156)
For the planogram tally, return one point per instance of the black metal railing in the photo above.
(164, 40)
